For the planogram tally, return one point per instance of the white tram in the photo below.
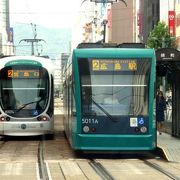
(26, 96)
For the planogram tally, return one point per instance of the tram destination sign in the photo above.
(114, 65)
(24, 73)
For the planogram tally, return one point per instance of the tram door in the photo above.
(168, 75)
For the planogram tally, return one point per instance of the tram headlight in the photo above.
(143, 129)
(42, 118)
(3, 118)
(39, 118)
(7, 118)
(137, 129)
(86, 129)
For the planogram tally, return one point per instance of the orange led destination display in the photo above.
(23, 73)
(114, 65)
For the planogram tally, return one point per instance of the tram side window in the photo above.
(73, 98)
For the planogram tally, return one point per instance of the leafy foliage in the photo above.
(160, 37)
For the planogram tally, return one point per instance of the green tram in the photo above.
(108, 98)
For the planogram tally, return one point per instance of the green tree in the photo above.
(160, 37)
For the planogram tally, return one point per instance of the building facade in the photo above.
(88, 25)
(149, 12)
(122, 22)
(170, 14)
(131, 23)
(6, 33)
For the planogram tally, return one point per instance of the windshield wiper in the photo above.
(32, 102)
(103, 110)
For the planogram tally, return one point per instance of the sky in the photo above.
(49, 13)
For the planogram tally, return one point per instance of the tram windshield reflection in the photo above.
(17, 91)
(116, 92)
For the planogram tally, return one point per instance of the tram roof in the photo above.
(114, 52)
(45, 62)
(110, 45)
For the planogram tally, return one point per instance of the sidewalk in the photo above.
(170, 146)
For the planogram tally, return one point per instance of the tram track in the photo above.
(101, 170)
(54, 159)
(3, 142)
(161, 170)
(66, 165)
(43, 171)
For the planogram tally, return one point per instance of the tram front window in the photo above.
(24, 91)
(117, 93)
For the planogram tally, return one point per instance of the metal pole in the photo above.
(104, 32)
(32, 48)
(164, 77)
(32, 41)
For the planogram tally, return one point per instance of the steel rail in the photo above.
(3, 139)
(162, 170)
(43, 172)
(100, 170)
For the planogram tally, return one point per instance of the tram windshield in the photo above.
(24, 90)
(114, 87)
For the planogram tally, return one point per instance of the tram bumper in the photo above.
(26, 128)
(115, 142)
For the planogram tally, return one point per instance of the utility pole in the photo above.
(104, 31)
(104, 22)
(34, 40)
